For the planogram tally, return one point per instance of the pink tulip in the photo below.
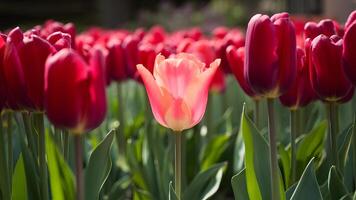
(178, 89)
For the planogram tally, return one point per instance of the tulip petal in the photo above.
(349, 52)
(159, 99)
(196, 95)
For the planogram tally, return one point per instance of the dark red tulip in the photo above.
(326, 71)
(301, 92)
(270, 54)
(24, 60)
(2, 78)
(75, 96)
(116, 63)
(326, 27)
(60, 40)
(51, 26)
(236, 58)
(130, 45)
(349, 48)
(348, 97)
(147, 56)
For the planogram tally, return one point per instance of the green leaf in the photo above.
(98, 168)
(214, 150)
(239, 186)
(344, 143)
(286, 164)
(336, 186)
(206, 183)
(172, 193)
(307, 187)
(19, 188)
(310, 146)
(290, 191)
(60, 174)
(257, 161)
(119, 189)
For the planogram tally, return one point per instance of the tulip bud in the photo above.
(178, 89)
(326, 71)
(236, 58)
(24, 60)
(116, 63)
(60, 40)
(130, 46)
(270, 54)
(2, 78)
(75, 96)
(326, 27)
(349, 48)
(301, 93)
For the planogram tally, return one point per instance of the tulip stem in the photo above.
(354, 147)
(178, 163)
(257, 113)
(4, 168)
(65, 144)
(79, 166)
(39, 125)
(273, 150)
(9, 143)
(120, 135)
(293, 136)
(332, 114)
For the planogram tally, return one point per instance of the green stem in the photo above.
(5, 180)
(39, 118)
(9, 145)
(65, 144)
(120, 135)
(332, 133)
(293, 136)
(79, 167)
(178, 163)
(29, 133)
(354, 148)
(273, 150)
(257, 113)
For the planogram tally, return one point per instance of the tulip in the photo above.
(178, 94)
(326, 27)
(116, 63)
(349, 48)
(326, 73)
(24, 60)
(2, 78)
(178, 89)
(130, 45)
(60, 40)
(236, 58)
(270, 63)
(75, 91)
(329, 81)
(301, 93)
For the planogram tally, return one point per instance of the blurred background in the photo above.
(171, 14)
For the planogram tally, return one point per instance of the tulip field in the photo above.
(264, 112)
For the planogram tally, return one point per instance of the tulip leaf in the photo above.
(119, 189)
(239, 186)
(61, 177)
(206, 183)
(286, 164)
(310, 146)
(336, 186)
(214, 149)
(307, 187)
(344, 143)
(98, 168)
(290, 191)
(19, 188)
(257, 161)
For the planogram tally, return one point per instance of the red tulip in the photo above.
(236, 58)
(178, 89)
(24, 60)
(270, 54)
(326, 72)
(116, 63)
(3, 93)
(146, 56)
(349, 48)
(75, 90)
(60, 40)
(326, 27)
(130, 45)
(301, 93)
(51, 26)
